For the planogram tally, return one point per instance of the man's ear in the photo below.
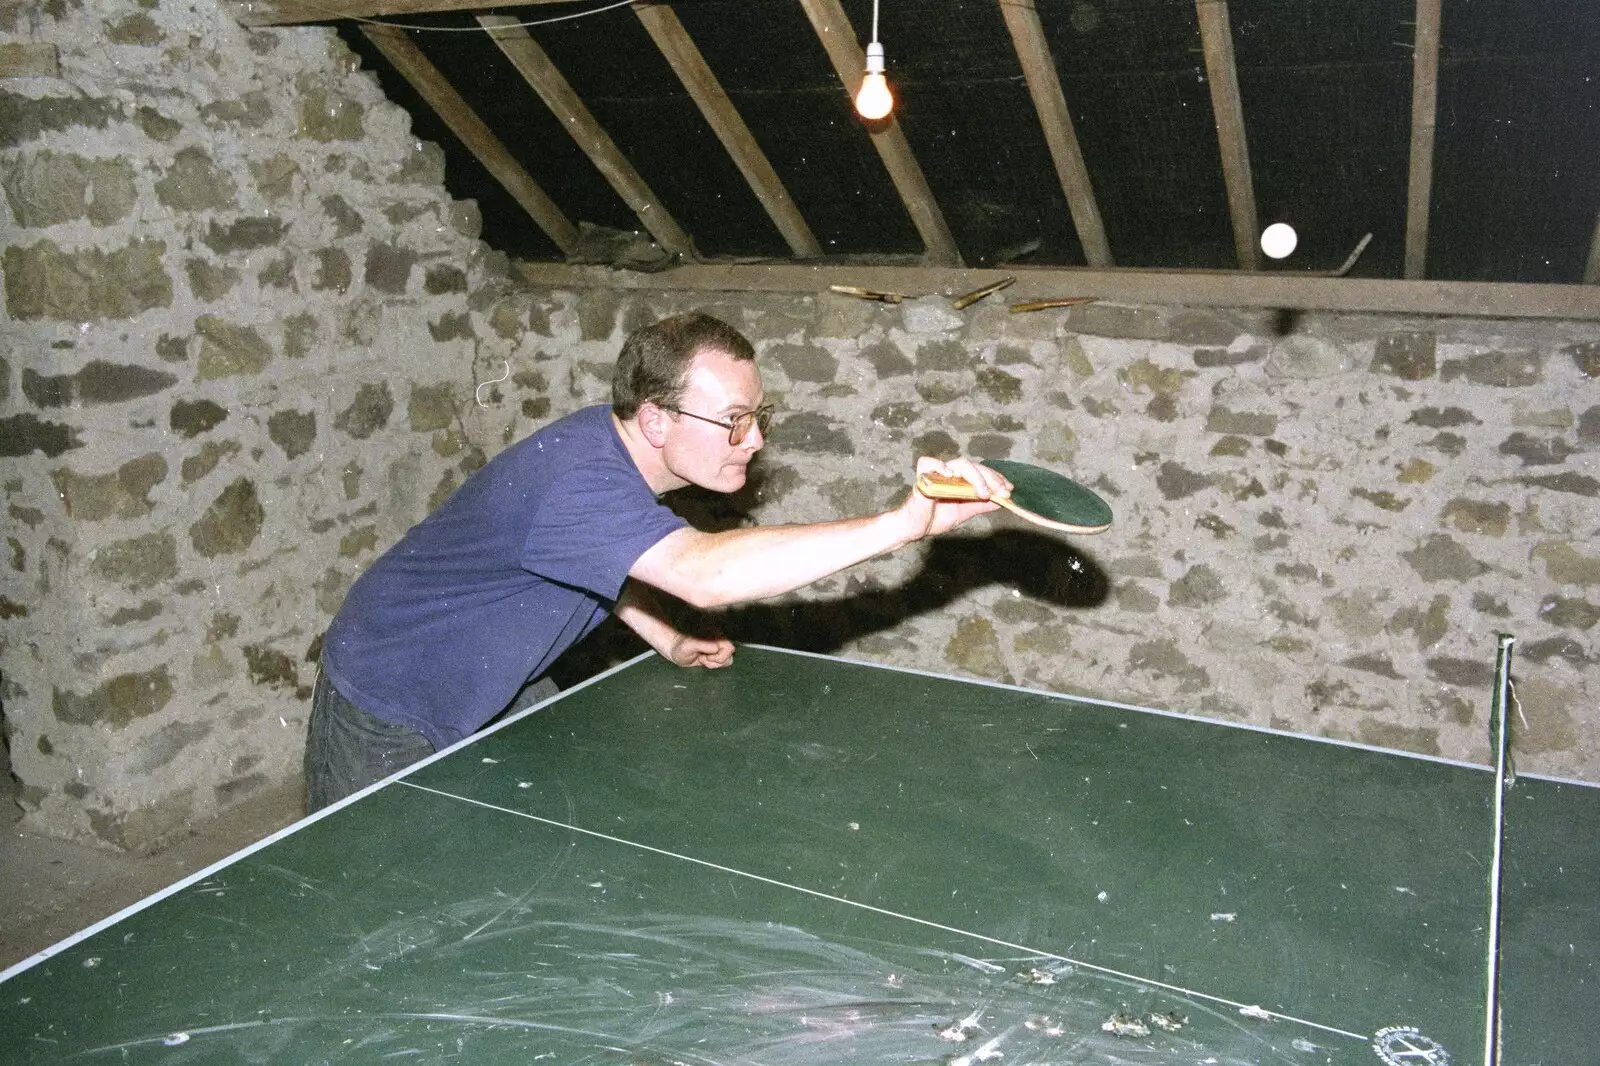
(653, 422)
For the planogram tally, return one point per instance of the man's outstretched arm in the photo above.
(718, 569)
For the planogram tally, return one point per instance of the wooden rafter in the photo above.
(1216, 40)
(1424, 112)
(440, 95)
(290, 12)
(839, 40)
(1274, 290)
(690, 66)
(1044, 85)
(535, 66)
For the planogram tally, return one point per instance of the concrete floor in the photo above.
(52, 889)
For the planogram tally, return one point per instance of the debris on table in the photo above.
(1125, 1024)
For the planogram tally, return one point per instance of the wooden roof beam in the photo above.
(1044, 85)
(1270, 290)
(1424, 115)
(840, 41)
(680, 51)
(471, 130)
(292, 12)
(535, 66)
(1216, 40)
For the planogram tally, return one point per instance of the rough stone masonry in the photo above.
(249, 339)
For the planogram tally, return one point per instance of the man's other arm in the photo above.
(641, 610)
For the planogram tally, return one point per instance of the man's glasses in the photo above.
(739, 428)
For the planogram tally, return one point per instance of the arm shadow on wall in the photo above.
(1048, 573)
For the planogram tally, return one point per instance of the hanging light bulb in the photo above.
(874, 100)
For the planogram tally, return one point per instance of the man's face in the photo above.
(719, 387)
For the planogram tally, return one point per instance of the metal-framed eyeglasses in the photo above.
(739, 426)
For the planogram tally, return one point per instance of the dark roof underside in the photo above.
(1325, 87)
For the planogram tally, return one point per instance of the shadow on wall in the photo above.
(1042, 568)
(10, 787)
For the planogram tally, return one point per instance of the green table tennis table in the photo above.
(801, 859)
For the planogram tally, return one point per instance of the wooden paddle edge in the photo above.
(1049, 523)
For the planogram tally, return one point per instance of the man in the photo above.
(534, 550)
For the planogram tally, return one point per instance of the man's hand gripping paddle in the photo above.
(1040, 496)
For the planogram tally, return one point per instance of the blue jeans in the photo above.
(348, 749)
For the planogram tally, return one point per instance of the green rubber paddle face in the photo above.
(1052, 496)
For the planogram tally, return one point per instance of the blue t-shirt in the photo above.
(481, 596)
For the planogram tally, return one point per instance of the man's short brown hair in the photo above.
(655, 359)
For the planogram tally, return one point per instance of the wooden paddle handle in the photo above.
(947, 487)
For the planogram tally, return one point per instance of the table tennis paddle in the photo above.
(1040, 496)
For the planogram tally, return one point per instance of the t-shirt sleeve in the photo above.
(593, 526)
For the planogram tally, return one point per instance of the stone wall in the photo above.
(1323, 522)
(249, 339)
(242, 320)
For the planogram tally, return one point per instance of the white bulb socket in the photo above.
(875, 58)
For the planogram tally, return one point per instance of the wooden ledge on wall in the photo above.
(1463, 299)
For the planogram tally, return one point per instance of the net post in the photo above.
(1499, 743)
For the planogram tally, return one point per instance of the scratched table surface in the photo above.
(805, 860)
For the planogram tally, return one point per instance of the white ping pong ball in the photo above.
(1278, 240)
